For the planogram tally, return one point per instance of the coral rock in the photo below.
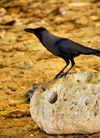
(68, 105)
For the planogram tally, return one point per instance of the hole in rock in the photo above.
(43, 87)
(53, 97)
(78, 81)
(75, 103)
(96, 108)
(65, 99)
(53, 111)
(71, 108)
(94, 93)
(86, 101)
(87, 108)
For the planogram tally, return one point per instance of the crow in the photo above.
(62, 47)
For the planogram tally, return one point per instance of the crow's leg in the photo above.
(73, 63)
(67, 63)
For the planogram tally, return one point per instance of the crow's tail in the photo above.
(93, 52)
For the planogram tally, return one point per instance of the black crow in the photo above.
(62, 47)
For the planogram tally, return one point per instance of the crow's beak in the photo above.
(30, 30)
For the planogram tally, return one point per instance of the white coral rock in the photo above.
(68, 105)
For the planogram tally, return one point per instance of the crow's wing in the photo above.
(72, 48)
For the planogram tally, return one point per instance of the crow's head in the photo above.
(37, 31)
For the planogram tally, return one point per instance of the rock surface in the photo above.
(68, 105)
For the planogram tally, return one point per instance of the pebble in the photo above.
(13, 88)
(25, 64)
(19, 54)
(97, 24)
(31, 135)
(21, 65)
(94, 18)
(28, 64)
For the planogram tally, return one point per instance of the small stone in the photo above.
(13, 88)
(28, 64)
(35, 127)
(31, 135)
(21, 65)
(43, 22)
(97, 24)
(25, 128)
(68, 105)
(58, 20)
(8, 20)
(20, 54)
(2, 11)
(94, 18)
(25, 64)
(8, 92)
(13, 103)
(2, 33)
